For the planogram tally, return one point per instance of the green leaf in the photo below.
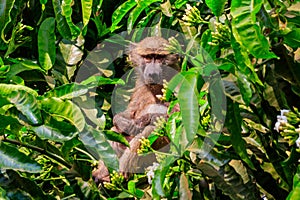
(7, 89)
(11, 158)
(245, 29)
(25, 65)
(66, 8)
(26, 103)
(5, 19)
(71, 53)
(51, 133)
(120, 13)
(64, 109)
(86, 12)
(67, 91)
(245, 88)
(234, 123)
(160, 176)
(113, 136)
(46, 43)
(136, 12)
(293, 38)
(216, 6)
(295, 193)
(61, 22)
(100, 80)
(188, 102)
(97, 144)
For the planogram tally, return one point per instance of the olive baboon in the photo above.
(152, 64)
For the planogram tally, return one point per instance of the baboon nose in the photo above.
(153, 78)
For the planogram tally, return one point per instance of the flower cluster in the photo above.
(145, 146)
(116, 181)
(192, 16)
(288, 125)
(221, 35)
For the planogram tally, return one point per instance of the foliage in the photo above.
(55, 128)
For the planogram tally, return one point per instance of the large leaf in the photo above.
(67, 10)
(24, 65)
(234, 123)
(160, 176)
(86, 6)
(46, 43)
(71, 53)
(136, 12)
(230, 182)
(6, 89)
(5, 19)
(67, 91)
(245, 29)
(293, 38)
(97, 144)
(184, 190)
(216, 6)
(120, 13)
(26, 103)
(51, 133)
(61, 21)
(188, 102)
(64, 109)
(11, 158)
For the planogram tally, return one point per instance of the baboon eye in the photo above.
(148, 58)
(159, 58)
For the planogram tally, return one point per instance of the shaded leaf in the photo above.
(25, 65)
(184, 190)
(5, 19)
(48, 132)
(97, 144)
(293, 38)
(234, 123)
(66, 8)
(11, 158)
(188, 102)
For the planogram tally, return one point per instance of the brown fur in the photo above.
(151, 61)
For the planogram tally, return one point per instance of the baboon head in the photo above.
(152, 61)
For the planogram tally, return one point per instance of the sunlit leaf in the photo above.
(245, 29)
(26, 103)
(46, 47)
(120, 13)
(86, 12)
(64, 109)
(217, 6)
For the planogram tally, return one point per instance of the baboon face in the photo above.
(152, 61)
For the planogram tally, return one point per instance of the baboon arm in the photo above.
(130, 160)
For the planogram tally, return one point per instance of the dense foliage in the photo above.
(54, 128)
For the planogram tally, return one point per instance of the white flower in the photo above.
(281, 120)
(150, 173)
(298, 142)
